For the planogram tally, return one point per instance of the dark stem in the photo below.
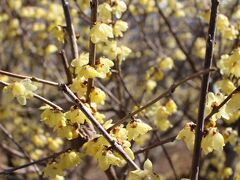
(70, 29)
(66, 66)
(92, 46)
(204, 91)
(170, 162)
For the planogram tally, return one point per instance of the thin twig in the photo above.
(11, 170)
(70, 29)
(66, 66)
(81, 13)
(47, 102)
(108, 137)
(9, 149)
(92, 46)
(204, 90)
(35, 79)
(164, 94)
(165, 141)
(108, 92)
(170, 161)
(189, 59)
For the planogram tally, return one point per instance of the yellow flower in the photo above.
(147, 173)
(15, 4)
(52, 117)
(233, 104)
(199, 47)
(150, 84)
(52, 170)
(99, 117)
(51, 48)
(166, 64)
(136, 128)
(222, 22)
(111, 50)
(119, 27)
(75, 115)
(69, 160)
(171, 106)
(120, 133)
(163, 124)
(54, 144)
(103, 66)
(226, 86)
(58, 33)
(97, 96)
(187, 134)
(214, 100)
(106, 158)
(212, 141)
(123, 53)
(88, 71)
(118, 8)
(67, 131)
(101, 32)
(79, 62)
(39, 140)
(230, 33)
(230, 136)
(105, 11)
(96, 144)
(79, 86)
(230, 64)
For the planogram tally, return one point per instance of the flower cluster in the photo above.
(66, 160)
(102, 151)
(66, 124)
(229, 64)
(156, 73)
(223, 25)
(212, 139)
(160, 114)
(85, 71)
(214, 100)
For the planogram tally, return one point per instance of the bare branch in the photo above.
(66, 66)
(204, 91)
(35, 79)
(70, 29)
(164, 94)
(165, 141)
(92, 46)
